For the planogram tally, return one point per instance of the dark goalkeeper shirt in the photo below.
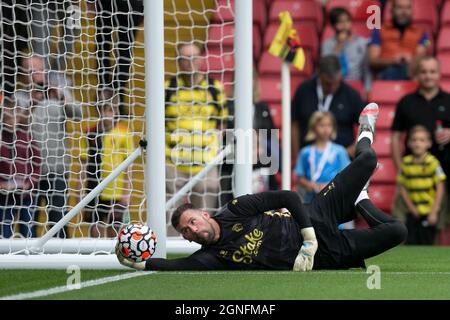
(254, 234)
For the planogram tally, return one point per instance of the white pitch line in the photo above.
(85, 284)
(352, 273)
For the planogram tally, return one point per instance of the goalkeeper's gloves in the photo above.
(128, 263)
(305, 257)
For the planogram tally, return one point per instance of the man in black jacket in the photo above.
(275, 231)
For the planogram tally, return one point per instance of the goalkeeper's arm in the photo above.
(198, 261)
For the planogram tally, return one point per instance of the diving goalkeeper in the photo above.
(275, 231)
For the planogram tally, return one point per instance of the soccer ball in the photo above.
(137, 242)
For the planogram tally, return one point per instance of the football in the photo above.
(137, 242)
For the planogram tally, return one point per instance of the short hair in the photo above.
(175, 220)
(419, 128)
(335, 13)
(315, 119)
(329, 65)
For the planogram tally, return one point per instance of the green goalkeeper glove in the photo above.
(305, 257)
(128, 263)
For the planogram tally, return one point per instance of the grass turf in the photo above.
(406, 273)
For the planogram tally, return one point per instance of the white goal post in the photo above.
(62, 38)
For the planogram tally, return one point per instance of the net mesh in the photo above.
(73, 102)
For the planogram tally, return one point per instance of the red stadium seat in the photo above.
(445, 85)
(382, 196)
(309, 40)
(219, 61)
(390, 92)
(443, 40)
(225, 12)
(270, 88)
(385, 117)
(444, 59)
(382, 143)
(424, 15)
(357, 8)
(306, 12)
(358, 86)
(270, 65)
(260, 14)
(385, 172)
(221, 37)
(445, 14)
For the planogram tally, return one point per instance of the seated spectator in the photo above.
(428, 106)
(319, 162)
(421, 180)
(106, 146)
(393, 49)
(326, 92)
(19, 170)
(350, 49)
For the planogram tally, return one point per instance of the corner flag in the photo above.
(286, 43)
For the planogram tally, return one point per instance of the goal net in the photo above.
(73, 109)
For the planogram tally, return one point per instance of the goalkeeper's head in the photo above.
(195, 224)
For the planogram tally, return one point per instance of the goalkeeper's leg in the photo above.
(385, 232)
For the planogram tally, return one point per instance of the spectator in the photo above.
(319, 162)
(19, 170)
(393, 49)
(350, 49)
(326, 92)
(421, 180)
(106, 146)
(51, 105)
(195, 115)
(125, 16)
(427, 106)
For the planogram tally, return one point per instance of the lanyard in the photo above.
(315, 174)
(323, 105)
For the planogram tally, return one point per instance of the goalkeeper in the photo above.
(273, 230)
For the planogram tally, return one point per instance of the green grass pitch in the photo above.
(406, 273)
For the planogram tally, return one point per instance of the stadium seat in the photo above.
(443, 40)
(309, 40)
(358, 86)
(445, 14)
(307, 12)
(382, 143)
(270, 88)
(382, 196)
(424, 15)
(225, 12)
(357, 8)
(385, 117)
(358, 28)
(260, 14)
(444, 59)
(270, 65)
(385, 172)
(445, 85)
(388, 93)
(222, 37)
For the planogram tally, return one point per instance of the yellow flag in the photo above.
(286, 43)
